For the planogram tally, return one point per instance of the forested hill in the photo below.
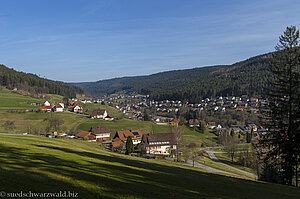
(35, 85)
(245, 77)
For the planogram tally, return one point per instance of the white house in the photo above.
(99, 114)
(58, 108)
(77, 109)
(62, 105)
(47, 103)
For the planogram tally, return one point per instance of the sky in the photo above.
(86, 40)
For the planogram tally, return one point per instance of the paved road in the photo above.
(214, 158)
(16, 134)
(204, 167)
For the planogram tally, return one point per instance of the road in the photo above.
(215, 159)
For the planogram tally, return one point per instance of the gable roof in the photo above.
(100, 129)
(159, 139)
(86, 134)
(98, 112)
(58, 106)
(135, 134)
(116, 142)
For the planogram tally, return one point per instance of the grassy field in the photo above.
(13, 100)
(53, 98)
(52, 165)
(205, 160)
(110, 110)
(35, 120)
(227, 159)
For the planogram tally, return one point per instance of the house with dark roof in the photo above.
(102, 133)
(159, 143)
(121, 136)
(99, 114)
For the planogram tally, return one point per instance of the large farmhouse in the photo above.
(102, 133)
(160, 143)
(121, 137)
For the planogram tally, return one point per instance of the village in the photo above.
(199, 117)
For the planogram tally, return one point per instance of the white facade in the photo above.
(77, 108)
(60, 109)
(157, 149)
(47, 103)
(102, 116)
(103, 135)
(136, 141)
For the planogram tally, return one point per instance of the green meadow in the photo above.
(39, 164)
(13, 100)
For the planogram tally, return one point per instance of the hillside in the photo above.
(39, 164)
(10, 79)
(245, 77)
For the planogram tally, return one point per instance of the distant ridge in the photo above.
(244, 77)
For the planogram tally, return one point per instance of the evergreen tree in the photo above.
(146, 116)
(282, 141)
(129, 146)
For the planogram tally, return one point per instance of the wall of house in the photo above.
(164, 150)
(136, 141)
(102, 136)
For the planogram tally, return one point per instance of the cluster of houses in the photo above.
(134, 105)
(76, 108)
(154, 144)
(219, 104)
(60, 107)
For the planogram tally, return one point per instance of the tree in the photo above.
(9, 125)
(178, 131)
(146, 116)
(202, 126)
(66, 101)
(54, 124)
(249, 136)
(129, 146)
(282, 141)
(194, 151)
(231, 146)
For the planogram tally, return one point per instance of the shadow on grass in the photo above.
(96, 175)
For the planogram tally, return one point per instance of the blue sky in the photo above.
(77, 41)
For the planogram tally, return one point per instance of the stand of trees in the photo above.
(35, 85)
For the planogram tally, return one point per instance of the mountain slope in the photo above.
(32, 83)
(245, 77)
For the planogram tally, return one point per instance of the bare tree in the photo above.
(54, 124)
(9, 125)
(178, 131)
(231, 146)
